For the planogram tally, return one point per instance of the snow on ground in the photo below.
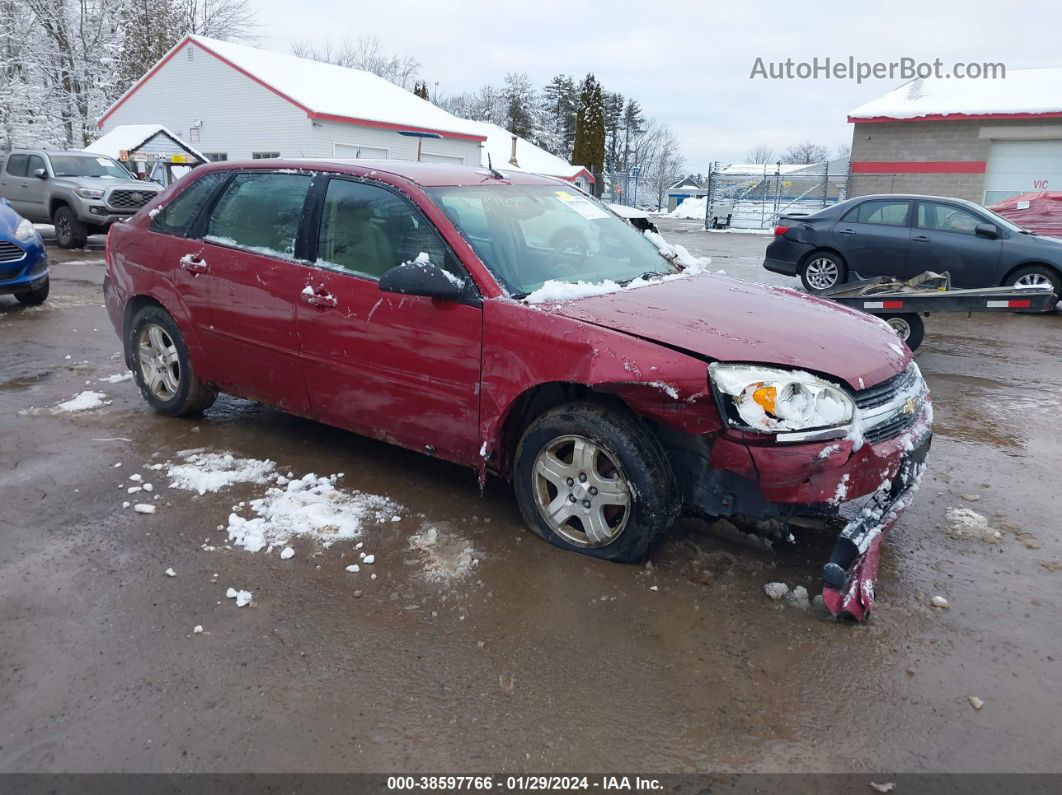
(203, 472)
(84, 401)
(311, 507)
(243, 598)
(692, 209)
(445, 557)
(117, 378)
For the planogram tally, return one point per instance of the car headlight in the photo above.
(774, 400)
(89, 193)
(25, 231)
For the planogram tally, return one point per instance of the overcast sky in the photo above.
(687, 63)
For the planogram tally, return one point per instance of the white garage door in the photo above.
(1022, 166)
(357, 150)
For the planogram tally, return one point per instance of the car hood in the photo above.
(728, 320)
(104, 183)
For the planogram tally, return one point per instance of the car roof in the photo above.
(424, 174)
(910, 196)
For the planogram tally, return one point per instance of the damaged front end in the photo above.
(863, 471)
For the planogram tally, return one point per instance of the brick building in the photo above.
(982, 140)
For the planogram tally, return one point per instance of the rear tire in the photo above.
(34, 297)
(593, 479)
(1032, 275)
(909, 327)
(69, 232)
(162, 367)
(822, 270)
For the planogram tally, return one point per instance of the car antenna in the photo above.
(490, 168)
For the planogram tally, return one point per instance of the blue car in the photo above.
(23, 260)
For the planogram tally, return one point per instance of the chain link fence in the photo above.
(754, 198)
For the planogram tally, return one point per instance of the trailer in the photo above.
(903, 304)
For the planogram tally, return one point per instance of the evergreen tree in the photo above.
(521, 100)
(559, 106)
(633, 127)
(614, 106)
(420, 88)
(589, 147)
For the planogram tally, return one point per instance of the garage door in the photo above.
(357, 150)
(1022, 166)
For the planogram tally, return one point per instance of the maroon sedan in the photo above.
(509, 323)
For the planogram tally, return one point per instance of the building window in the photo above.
(193, 135)
(264, 155)
(216, 157)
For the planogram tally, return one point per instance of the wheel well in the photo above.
(132, 306)
(535, 402)
(55, 204)
(1057, 271)
(823, 250)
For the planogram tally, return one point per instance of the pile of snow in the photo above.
(553, 290)
(775, 590)
(694, 209)
(310, 506)
(444, 557)
(203, 472)
(243, 598)
(966, 523)
(117, 378)
(84, 401)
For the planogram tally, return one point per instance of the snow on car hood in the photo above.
(729, 320)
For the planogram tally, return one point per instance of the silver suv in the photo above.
(79, 192)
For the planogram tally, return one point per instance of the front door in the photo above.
(947, 234)
(404, 369)
(874, 238)
(34, 192)
(251, 339)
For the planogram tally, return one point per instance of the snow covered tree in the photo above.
(151, 28)
(589, 147)
(521, 102)
(559, 104)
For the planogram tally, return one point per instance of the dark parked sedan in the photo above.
(903, 236)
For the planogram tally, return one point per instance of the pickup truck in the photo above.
(79, 193)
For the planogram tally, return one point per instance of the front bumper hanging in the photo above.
(848, 579)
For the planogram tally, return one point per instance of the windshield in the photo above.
(87, 166)
(530, 234)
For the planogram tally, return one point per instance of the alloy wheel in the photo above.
(160, 364)
(1033, 280)
(581, 491)
(822, 273)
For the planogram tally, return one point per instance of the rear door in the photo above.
(248, 255)
(944, 238)
(404, 369)
(875, 237)
(12, 180)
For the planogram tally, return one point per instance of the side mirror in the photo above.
(421, 277)
(40, 173)
(986, 230)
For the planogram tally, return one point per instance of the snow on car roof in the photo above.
(328, 90)
(1024, 92)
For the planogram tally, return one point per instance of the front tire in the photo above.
(36, 296)
(822, 270)
(162, 367)
(1036, 276)
(593, 479)
(69, 232)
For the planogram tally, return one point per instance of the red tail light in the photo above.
(780, 230)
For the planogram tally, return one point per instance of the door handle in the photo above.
(322, 300)
(846, 232)
(921, 239)
(190, 262)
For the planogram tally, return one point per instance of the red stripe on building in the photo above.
(957, 117)
(919, 167)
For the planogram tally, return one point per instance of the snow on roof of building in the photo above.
(326, 91)
(1023, 92)
(753, 169)
(530, 158)
(127, 137)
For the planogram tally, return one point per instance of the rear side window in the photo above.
(16, 165)
(887, 213)
(35, 162)
(367, 230)
(260, 211)
(177, 216)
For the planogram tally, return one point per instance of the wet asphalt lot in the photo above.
(538, 660)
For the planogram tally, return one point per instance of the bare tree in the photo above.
(367, 53)
(844, 151)
(806, 152)
(761, 153)
(667, 168)
(219, 19)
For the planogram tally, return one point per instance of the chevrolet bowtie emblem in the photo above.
(909, 407)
